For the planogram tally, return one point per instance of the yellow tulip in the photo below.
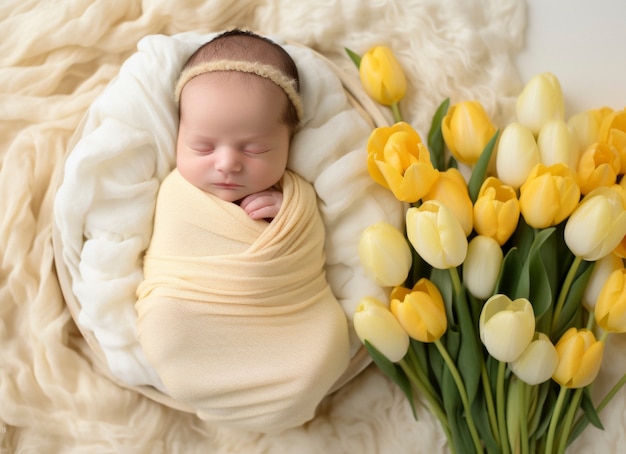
(540, 101)
(420, 311)
(385, 254)
(382, 76)
(620, 249)
(599, 165)
(506, 327)
(496, 210)
(398, 160)
(613, 132)
(597, 225)
(451, 190)
(537, 362)
(436, 235)
(549, 195)
(482, 266)
(557, 143)
(466, 130)
(585, 126)
(600, 273)
(375, 323)
(516, 155)
(610, 311)
(580, 357)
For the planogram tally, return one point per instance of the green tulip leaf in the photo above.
(394, 372)
(511, 281)
(436, 363)
(590, 411)
(481, 419)
(540, 394)
(441, 278)
(480, 169)
(453, 407)
(469, 360)
(549, 403)
(522, 238)
(435, 137)
(421, 353)
(419, 268)
(572, 306)
(356, 58)
(540, 291)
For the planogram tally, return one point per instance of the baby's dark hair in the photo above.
(237, 44)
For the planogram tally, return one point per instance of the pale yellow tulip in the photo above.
(375, 323)
(436, 234)
(506, 327)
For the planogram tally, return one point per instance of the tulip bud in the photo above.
(398, 160)
(600, 273)
(496, 210)
(537, 362)
(597, 226)
(451, 190)
(482, 266)
(598, 166)
(610, 311)
(613, 132)
(517, 154)
(466, 130)
(580, 357)
(549, 195)
(385, 254)
(540, 101)
(382, 76)
(557, 144)
(436, 235)
(375, 323)
(506, 327)
(585, 126)
(420, 311)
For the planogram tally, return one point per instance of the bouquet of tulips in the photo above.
(505, 283)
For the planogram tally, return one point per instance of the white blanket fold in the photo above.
(235, 315)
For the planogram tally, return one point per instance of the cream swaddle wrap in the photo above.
(235, 315)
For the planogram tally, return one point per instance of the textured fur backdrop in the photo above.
(56, 57)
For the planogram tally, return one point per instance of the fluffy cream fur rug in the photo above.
(56, 58)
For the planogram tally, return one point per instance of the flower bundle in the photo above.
(504, 284)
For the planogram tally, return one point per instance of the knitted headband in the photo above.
(269, 72)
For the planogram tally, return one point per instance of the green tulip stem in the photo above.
(592, 319)
(569, 279)
(395, 109)
(491, 409)
(456, 280)
(415, 377)
(569, 419)
(522, 390)
(555, 419)
(583, 421)
(462, 392)
(423, 378)
(500, 402)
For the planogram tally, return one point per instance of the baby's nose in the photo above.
(227, 159)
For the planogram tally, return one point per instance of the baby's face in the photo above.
(231, 140)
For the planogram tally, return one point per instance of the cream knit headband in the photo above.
(267, 71)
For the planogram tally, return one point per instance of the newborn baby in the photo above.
(235, 314)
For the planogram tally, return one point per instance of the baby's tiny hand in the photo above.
(262, 205)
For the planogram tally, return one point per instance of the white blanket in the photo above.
(57, 57)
